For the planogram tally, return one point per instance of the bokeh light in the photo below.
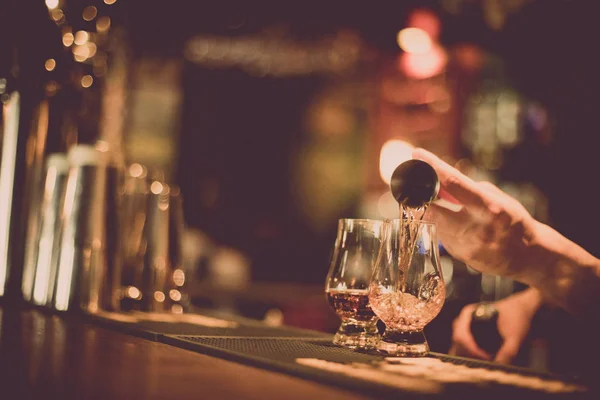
(89, 13)
(68, 39)
(86, 81)
(414, 40)
(81, 37)
(393, 152)
(50, 64)
(51, 4)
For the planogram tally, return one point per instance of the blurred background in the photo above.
(276, 119)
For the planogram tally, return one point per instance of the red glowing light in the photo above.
(426, 20)
(423, 65)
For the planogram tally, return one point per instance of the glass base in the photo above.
(403, 344)
(357, 335)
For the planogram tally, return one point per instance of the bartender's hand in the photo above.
(514, 321)
(490, 232)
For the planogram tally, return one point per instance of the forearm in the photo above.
(530, 300)
(562, 271)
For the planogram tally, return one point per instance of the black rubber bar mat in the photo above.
(153, 330)
(281, 355)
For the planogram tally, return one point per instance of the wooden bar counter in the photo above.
(48, 356)
(71, 356)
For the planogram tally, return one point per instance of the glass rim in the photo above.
(360, 220)
(420, 222)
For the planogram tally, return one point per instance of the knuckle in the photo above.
(519, 227)
(499, 215)
(452, 182)
(467, 310)
(486, 184)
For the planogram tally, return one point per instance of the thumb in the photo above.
(508, 351)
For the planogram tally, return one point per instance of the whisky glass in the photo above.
(356, 248)
(407, 289)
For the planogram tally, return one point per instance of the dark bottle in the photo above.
(484, 327)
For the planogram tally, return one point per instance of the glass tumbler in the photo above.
(357, 245)
(407, 289)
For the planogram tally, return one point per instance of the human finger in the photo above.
(454, 182)
(491, 188)
(471, 349)
(448, 221)
(463, 338)
(508, 351)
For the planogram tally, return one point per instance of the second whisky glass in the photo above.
(407, 288)
(355, 251)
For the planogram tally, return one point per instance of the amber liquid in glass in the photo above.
(420, 308)
(351, 304)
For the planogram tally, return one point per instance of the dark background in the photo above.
(548, 50)
(237, 132)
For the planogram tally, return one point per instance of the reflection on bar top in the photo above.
(196, 319)
(435, 371)
(370, 373)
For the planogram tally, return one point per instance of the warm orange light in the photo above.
(175, 294)
(159, 296)
(50, 64)
(91, 47)
(109, 2)
(81, 37)
(86, 81)
(424, 65)
(81, 53)
(133, 292)
(393, 152)
(414, 40)
(177, 309)
(51, 4)
(102, 24)
(57, 14)
(89, 13)
(68, 39)
(156, 187)
(179, 277)
(136, 170)
(426, 20)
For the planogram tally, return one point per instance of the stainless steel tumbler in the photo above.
(45, 245)
(88, 267)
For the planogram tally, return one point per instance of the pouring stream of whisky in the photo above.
(408, 238)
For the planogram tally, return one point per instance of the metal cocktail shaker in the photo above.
(88, 266)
